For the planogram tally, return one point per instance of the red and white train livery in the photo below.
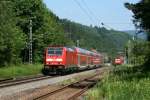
(60, 59)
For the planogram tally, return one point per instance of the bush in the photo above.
(122, 84)
(20, 70)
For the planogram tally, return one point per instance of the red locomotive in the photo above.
(62, 59)
(119, 60)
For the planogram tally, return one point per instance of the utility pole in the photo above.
(77, 43)
(70, 31)
(30, 43)
(135, 41)
(129, 52)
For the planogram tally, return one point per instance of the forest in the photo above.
(129, 81)
(48, 29)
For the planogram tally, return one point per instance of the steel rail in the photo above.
(76, 95)
(19, 78)
(42, 97)
(22, 81)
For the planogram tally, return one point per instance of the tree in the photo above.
(48, 29)
(141, 12)
(45, 25)
(11, 37)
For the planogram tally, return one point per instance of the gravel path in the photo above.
(4, 92)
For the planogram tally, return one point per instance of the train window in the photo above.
(50, 52)
(58, 52)
(55, 51)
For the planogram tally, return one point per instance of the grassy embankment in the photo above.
(20, 70)
(124, 83)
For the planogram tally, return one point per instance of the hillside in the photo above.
(98, 38)
(132, 33)
(47, 29)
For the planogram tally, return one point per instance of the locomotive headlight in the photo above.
(49, 59)
(59, 59)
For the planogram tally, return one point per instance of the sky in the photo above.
(94, 12)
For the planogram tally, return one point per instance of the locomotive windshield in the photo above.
(55, 51)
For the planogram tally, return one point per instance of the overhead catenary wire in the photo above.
(90, 11)
(84, 10)
(95, 16)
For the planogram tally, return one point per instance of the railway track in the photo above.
(71, 91)
(12, 82)
(18, 78)
(4, 80)
(56, 91)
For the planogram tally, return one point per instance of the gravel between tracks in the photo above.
(28, 90)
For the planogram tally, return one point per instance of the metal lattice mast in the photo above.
(78, 43)
(30, 43)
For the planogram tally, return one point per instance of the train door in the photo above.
(87, 60)
(67, 58)
(78, 60)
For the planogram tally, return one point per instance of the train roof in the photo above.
(79, 50)
(84, 51)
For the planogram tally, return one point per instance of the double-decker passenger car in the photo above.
(62, 59)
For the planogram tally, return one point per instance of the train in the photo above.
(61, 59)
(119, 60)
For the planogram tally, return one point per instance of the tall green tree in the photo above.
(45, 25)
(11, 37)
(47, 30)
(99, 38)
(141, 12)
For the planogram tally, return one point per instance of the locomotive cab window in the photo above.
(55, 51)
(58, 51)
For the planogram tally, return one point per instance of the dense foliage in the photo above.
(138, 52)
(141, 15)
(123, 83)
(19, 71)
(12, 39)
(14, 30)
(47, 29)
(99, 38)
(44, 26)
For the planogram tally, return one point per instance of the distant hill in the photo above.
(132, 32)
(99, 38)
(48, 29)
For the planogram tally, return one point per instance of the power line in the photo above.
(96, 17)
(120, 23)
(90, 11)
(84, 10)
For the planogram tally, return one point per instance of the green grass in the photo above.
(124, 83)
(20, 70)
